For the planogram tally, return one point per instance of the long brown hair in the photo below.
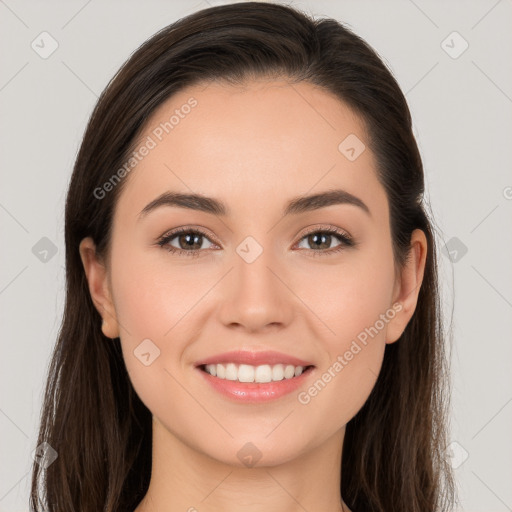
(394, 448)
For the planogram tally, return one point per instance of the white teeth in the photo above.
(263, 373)
(231, 372)
(278, 372)
(246, 373)
(289, 371)
(249, 373)
(221, 371)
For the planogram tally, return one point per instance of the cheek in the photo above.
(152, 302)
(351, 295)
(154, 295)
(355, 307)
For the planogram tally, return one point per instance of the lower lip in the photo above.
(254, 392)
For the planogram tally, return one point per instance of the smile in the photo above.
(249, 373)
(259, 384)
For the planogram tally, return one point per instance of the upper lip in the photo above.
(269, 357)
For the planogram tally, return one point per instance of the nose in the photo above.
(255, 296)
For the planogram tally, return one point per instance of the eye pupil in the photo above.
(190, 239)
(323, 236)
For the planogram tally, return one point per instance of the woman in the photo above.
(296, 360)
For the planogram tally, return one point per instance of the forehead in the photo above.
(245, 144)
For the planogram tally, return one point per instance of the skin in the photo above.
(253, 147)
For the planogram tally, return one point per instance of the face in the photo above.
(316, 281)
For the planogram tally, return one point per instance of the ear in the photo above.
(99, 287)
(407, 286)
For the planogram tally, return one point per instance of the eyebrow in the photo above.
(295, 206)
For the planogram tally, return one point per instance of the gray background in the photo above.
(462, 116)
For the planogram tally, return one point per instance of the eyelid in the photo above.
(313, 228)
(187, 228)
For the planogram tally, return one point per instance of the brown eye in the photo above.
(185, 241)
(320, 240)
(323, 240)
(189, 241)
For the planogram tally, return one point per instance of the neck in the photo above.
(183, 478)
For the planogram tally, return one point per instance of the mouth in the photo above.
(248, 376)
(261, 374)
(247, 384)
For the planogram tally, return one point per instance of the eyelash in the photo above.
(346, 241)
